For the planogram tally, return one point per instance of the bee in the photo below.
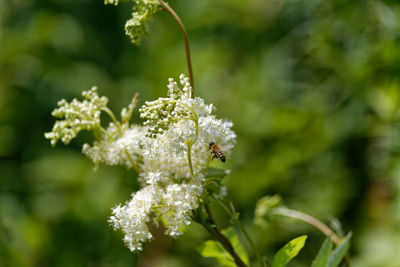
(216, 151)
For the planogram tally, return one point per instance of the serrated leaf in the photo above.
(338, 253)
(213, 249)
(289, 251)
(321, 260)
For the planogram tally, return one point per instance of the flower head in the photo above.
(78, 116)
(163, 112)
(176, 126)
(119, 148)
(143, 10)
(133, 217)
(170, 153)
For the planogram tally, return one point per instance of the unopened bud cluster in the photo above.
(78, 116)
(163, 112)
(142, 11)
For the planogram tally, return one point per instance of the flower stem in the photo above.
(105, 133)
(189, 144)
(189, 156)
(314, 222)
(132, 161)
(185, 39)
(246, 234)
(209, 224)
(112, 116)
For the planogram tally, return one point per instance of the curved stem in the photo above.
(314, 222)
(104, 131)
(132, 161)
(185, 39)
(209, 224)
(112, 116)
(246, 234)
(310, 220)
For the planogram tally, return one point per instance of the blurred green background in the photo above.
(312, 86)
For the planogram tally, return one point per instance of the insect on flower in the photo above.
(216, 151)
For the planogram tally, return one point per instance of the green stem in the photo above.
(106, 133)
(190, 143)
(132, 161)
(98, 133)
(189, 150)
(185, 39)
(112, 116)
(209, 224)
(246, 234)
(189, 156)
(295, 214)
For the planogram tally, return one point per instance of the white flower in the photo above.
(175, 205)
(134, 216)
(119, 148)
(168, 151)
(153, 178)
(179, 201)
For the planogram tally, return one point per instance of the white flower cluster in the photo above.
(171, 155)
(179, 200)
(172, 204)
(117, 150)
(178, 120)
(174, 122)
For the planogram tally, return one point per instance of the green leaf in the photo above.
(213, 249)
(215, 173)
(289, 251)
(323, 255)
(338, 253)
(237, 246)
